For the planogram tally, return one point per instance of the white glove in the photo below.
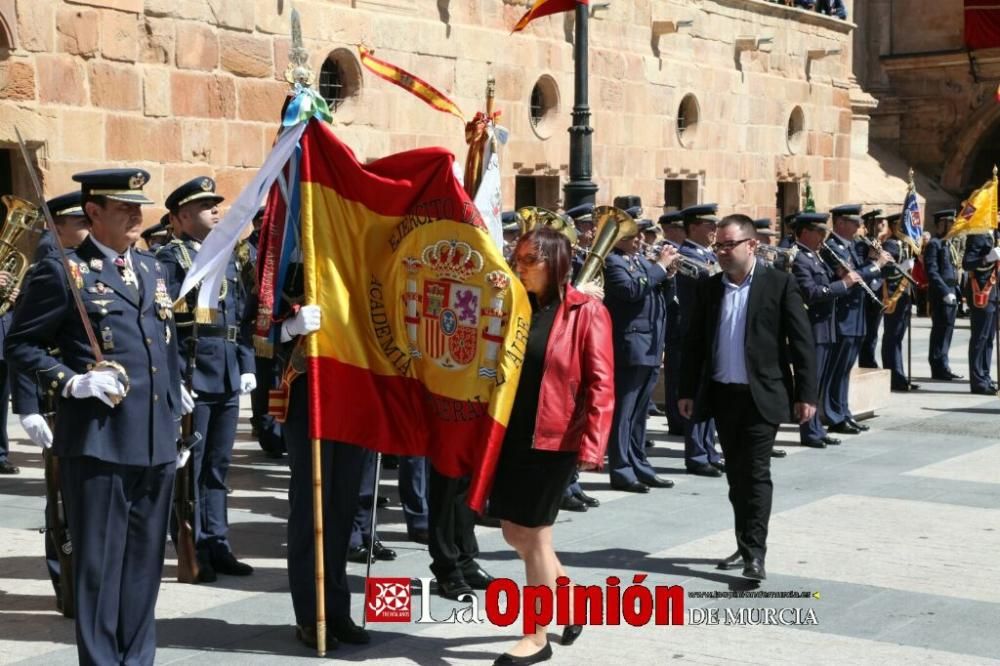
(187, 400)
(993, 256)
(37, 429)
(100, 384)
(306, 320)
(248, 382)
(592, 289)
(908, 265)
(950, 299)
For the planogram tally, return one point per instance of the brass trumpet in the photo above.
(773, 252)
(613, 224)
(19, 236)
(877, 246)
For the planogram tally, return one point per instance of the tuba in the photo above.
(531, 217)
(613, 225)
(19, 236)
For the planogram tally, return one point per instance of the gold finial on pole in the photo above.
(994, 170)
(298, 71)
(909, 181)
(491, 91)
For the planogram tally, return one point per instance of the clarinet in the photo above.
(847, 267)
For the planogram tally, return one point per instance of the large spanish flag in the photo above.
(545, 8)
(423, 324)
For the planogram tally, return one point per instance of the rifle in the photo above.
(184, 500)
(57, 530)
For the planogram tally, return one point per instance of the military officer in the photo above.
(897, 298)
(839, 250)
(636, 291)
(223, 362)
(875, 228)
(980, 263)
(116, 426)
(941, 263)
(820, 288)
(700, 455)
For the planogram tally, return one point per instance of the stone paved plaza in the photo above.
(898, 530)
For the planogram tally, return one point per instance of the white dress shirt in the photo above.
(730, 365)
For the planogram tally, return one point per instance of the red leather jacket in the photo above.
(577, 398)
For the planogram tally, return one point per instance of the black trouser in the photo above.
(268, 430)
(747, 440)
(4, 399)
(451, 526)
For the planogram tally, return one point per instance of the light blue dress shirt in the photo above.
(730, 365)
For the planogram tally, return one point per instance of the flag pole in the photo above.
(996, 317)
(909, 310)
(371, 539)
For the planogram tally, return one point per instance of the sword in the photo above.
(50, 224)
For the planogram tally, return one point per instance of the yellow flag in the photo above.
(978, 214)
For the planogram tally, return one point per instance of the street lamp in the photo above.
(580, 188)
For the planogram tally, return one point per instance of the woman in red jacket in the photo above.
(561, 417)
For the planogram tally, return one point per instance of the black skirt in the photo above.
(529, 484)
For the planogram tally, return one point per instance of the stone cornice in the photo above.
(792, 13)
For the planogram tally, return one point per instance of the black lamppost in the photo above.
(580, 189)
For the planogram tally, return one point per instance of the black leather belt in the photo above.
(228, 333)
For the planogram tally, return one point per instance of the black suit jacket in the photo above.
(780, 353)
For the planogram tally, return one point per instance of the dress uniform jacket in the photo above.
(942, 273)
(636, 293)
(849, 309)
(819, 289)
(974, 262)
(982, 315)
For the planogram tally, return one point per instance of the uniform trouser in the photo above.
(873, 317)
(340, 467)
(627, 461)
(983, 324)
(268, 430)
(215, 417)
(671, 380)
(747, 441)
(117, 518)
(942, 327)
(894, 330)
(812, 430)
(451, 526)
(4, 400)
(361, 530)
(845, 353)
(413, 491)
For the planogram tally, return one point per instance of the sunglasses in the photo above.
(728, 246)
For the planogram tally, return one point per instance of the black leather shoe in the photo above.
(719, 465)
(206, 574)
(307, 636)
(650, 443)
(734, 561)
(860, 426)
(754, 569)
(7, 468)
(452, 588)
(419, 536)
(229, 565)
(571, 503)
(380, 552)
(778, 453)
(542, 655)
(983, 391)
(571, 633)
(954, 375)
(477, 579)
(358, 554)
(844, 428)
(655, 411)
(831, 441)
(381, 502)
(658, 482)
(704, 469)
(592, 502)
(814, 443)
(634, 487)
(344, 630)
(994, 386)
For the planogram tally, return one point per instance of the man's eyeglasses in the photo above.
(729, 246)
(528, 260)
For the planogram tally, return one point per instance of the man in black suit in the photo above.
(750, 362)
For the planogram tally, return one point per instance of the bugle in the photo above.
(19, 237)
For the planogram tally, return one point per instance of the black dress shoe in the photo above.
(478, 578)
(983, 391)
(778, 453)
(571, 503)
(634, 487)
(571, 633)
(358, 554)
(7, 468)
(734, 561)
(658, 482)
(814, 443)
(592, 502)
(831, 441)
(719, 465)
(307, 636)
(542, 655)
(655, 411)
(229, 565)
(704, 469)
(650, 443)
(419, 536)
(955, 375)
(380, 552)
(206, 574)
(844, 428)
(453, 587)
(754, 569)
(344, 630)
(860, 426)
(382, 502)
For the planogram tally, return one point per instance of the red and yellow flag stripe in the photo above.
(544, 8)
(407, 81)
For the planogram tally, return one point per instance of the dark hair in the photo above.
(555, 248)
(98, 199)
(744, 223)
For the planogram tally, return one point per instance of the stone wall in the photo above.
(189, 87)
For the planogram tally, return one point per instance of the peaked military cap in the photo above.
(161, 227)
(812, 221)
(894, 218)
(70, 204)
(701, 212)
(646, 224)
(763, 227)
(627, 201)
(872, 215)
(672, 219)
(581, 213)
(849, 211)
(791, 217)
(945, 214)
(508, 219)
(634, 212)
(193, 190)
(116, 184)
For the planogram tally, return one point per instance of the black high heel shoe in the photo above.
(542, 655)
(571, 633)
